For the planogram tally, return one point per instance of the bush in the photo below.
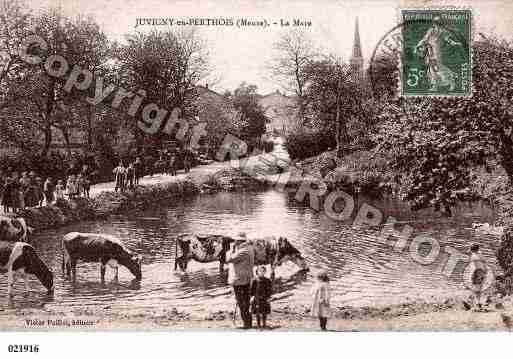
(303, 143)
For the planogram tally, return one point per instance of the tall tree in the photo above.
(40, 97)
(294, 51)
(334, 101)
(14, 27)
(251, 123)
(167, 65)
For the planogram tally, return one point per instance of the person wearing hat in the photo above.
(240, 274)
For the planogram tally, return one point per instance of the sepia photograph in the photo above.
(255, 166)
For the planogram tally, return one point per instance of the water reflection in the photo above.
(363, 270)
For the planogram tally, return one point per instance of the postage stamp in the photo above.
(437, 53)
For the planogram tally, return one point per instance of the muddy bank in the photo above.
(106, 203)
(413, 316)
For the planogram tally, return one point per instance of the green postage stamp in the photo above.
(437, 54)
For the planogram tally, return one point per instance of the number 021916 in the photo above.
(23, 348)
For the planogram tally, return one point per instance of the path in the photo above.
(201, 170)
(163, 178)
(198, 171)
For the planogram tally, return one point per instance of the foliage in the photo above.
(167, 65)
(36, 103)
(332, 94)
(251, 121)
(303, 143)
(436, 142)
(505, 252)
(217, 112)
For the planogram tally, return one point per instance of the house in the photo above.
(281, 110)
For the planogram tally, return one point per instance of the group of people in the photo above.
(168, 162)
(29, 190)
(127, 177)
(253, 293)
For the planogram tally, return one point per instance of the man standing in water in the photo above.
(240, 274)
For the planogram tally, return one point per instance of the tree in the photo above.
(435, 143)
(294, 51)
(41, 98)
(218, 112)
(334, 101)
(167, 66)
(384, 77)
(251, 123)
(14, 27)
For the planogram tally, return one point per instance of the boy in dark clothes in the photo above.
(261, 291)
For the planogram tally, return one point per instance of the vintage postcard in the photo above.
(258, 167)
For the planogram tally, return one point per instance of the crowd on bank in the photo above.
(20, 189)
(26, 190)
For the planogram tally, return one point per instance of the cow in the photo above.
(14, 229)
(93, 247)
(210, 248)
(202, 248)
(21, 258)
(275, 252)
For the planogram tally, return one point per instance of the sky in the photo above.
(241, 54)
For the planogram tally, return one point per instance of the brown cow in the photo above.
(92, 247)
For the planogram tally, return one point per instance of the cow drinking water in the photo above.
(21, 258)
(92, 247)
(204, 249)
(275, 252)
(211, 248)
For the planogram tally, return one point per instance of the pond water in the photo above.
(363, 271)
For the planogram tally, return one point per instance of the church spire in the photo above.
(356, 61)
(357, 47)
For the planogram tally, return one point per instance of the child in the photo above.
(261, 291)
(321, 299)
(25, 185)
(80, 185)
(119, 173)
(86, 185)
(59, 190)
(138, 169)
(478, 274)
(172, 165)
(7, 195)
(17, 193)
(48, 190)
(160, 166)
(38, 191)
(130, 173)
(71, 187)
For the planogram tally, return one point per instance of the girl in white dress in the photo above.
(321, 299)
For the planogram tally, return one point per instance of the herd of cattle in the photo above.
(18, 257)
